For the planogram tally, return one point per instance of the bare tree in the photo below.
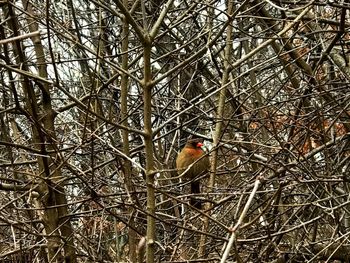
(98, 97)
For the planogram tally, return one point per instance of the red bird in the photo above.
(192, 152)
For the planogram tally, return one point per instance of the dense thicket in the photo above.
(98, 97)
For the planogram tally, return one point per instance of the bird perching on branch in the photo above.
(193, 156)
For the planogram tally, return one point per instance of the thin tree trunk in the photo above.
(125, 134)
(151, 200)
(218, 127)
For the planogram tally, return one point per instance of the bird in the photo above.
(193, 153)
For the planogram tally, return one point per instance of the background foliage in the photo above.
(97, 98)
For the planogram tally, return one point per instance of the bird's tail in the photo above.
(195, 189)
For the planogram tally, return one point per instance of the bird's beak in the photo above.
(201, 145)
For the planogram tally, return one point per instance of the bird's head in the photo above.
(195, 143)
